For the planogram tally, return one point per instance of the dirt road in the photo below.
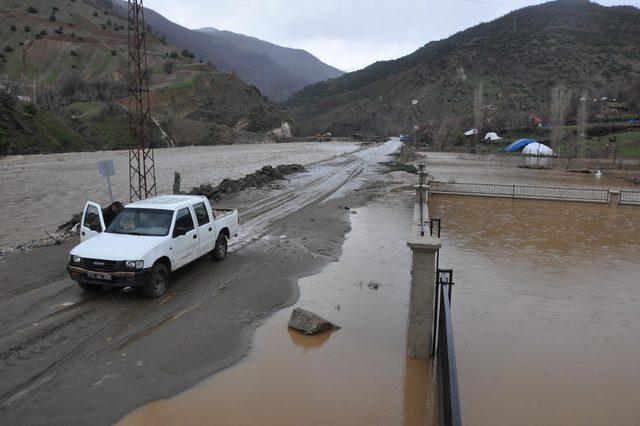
(69, 358)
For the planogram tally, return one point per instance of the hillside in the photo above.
(277, 71)
(581, 44)
(77, 52)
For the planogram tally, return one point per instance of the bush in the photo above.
(114, 52)
(32, 9)
(95, 14)
(27, 29)
(187, 54)
(73, 53)
(30, 109)
(8, 98)
(55, 8)
(174, 55)
(53, 18)
(168, 67)
(13, 27)
(43, 32)
(8, 48)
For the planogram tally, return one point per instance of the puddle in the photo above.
(358, 375)
(545, 310)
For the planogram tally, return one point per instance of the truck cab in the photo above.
(147, 241)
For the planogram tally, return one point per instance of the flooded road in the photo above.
(358, 375)
(546, 309)
(40, 192)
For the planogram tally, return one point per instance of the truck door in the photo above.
(92, 222)
(185, 239)
(206, 228)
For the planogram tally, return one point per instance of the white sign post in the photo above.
(106, 169)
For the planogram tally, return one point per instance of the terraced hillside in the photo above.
(519, 58)
(75, 52)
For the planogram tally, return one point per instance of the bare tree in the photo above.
(478, 109)
(583, 120)
(560, 98)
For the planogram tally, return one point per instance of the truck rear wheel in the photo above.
(158, 282)
(220, 250)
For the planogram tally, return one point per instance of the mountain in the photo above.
(296, 61)
(76, 54)
(519, 58)
(277, 71)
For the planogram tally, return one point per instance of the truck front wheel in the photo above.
(220, 250)
(158, 282)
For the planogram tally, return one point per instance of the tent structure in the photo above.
(492, 136)
(633, 121)
(538, 156)
(471, 132)
(517, 145)
(537, 149)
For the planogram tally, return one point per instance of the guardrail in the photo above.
(522, 191)
(444, 350)
(630, 197)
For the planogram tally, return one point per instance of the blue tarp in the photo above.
(519, 144)
(633, 121)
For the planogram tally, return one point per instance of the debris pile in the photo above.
(256, 179)
(310, 323)
(396, 166)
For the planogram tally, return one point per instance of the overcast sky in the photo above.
(348, 34)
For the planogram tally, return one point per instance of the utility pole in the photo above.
(142, 175)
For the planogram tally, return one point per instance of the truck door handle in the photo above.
(210, 229)
(83, 233)
(195, 236)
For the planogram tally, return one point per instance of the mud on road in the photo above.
(71, 358)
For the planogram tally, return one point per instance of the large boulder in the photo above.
(310, 323)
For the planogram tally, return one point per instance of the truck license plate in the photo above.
(99, 276)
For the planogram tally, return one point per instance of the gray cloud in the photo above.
(348, 34)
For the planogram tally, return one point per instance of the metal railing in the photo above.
(521, 191)
(443, 348)
(629, 197)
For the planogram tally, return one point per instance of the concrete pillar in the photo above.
(424, 252)
(614, 198)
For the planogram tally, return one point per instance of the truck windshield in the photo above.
(147, 222)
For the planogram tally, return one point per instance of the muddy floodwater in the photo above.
(358, 375)
(546, 310)
(40, 192)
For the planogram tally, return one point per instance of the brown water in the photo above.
(546, 310)
(40, 192)
(358, 375)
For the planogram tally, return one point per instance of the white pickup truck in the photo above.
(147, 241)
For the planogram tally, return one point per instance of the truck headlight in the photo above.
(134, 264)
(75, 259)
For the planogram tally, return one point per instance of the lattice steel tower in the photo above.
(142, 174)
